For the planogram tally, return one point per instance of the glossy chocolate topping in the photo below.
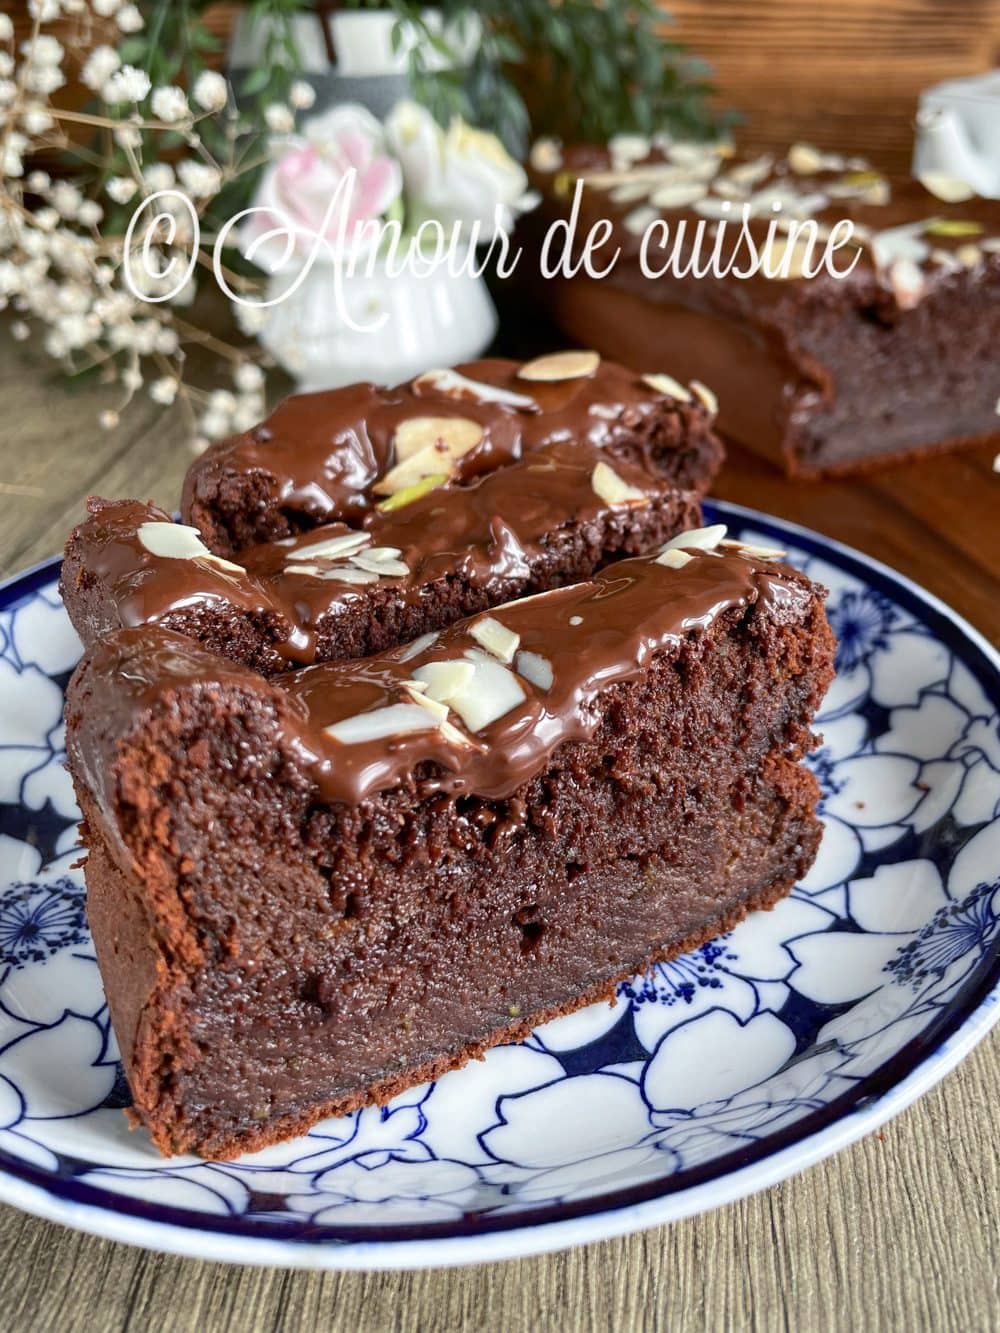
(571, 645)
(318, 455)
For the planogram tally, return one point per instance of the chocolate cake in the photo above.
(338, 456)
(311, 891)
(823, 375)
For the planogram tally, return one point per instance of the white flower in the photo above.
(20, 331)
(35, 119)
(43, 79)
(105, 8)
(248, 376)
(128, 137)
(166, 340)
(8, 91)
(250, 319)
(44, 50)
(128, 84)
(214, 425)
(89, 213)
(43, 10)
(211, 92)
(301, 95)
(121, 189)
(200, 181)
(163, 390)
(158, 176)
(66, 199)
(6, 28)
(10, 160)
(459, 175)
(131, 379)
(99, 66)
(223, 402)
(279, 118)
(129, 19)
(108, 419)
(170, 104)
(6, 64)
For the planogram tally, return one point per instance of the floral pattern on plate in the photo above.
(757, 1048)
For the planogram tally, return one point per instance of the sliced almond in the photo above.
(679, 195)
(390, 569)
(949, 189)
(804, 159)
(560, 366)
(673, 559)
(496, 638)
(546, 155)
(345, 574)
(705, 396)
(954, 227)
(333, 548)
(717, 209)
(454, 385)
(639, 219)
(417, 646)
(536, 668)
(177, 541)
(410, 493)
(668, 385)
(908, 283)
(492, 692)
(613, 490)
(426, 445)
(377, 723)
(417, 692)
(700, 539)
(749, 548)
(442, 680)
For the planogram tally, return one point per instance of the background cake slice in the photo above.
(309, 893)
(823, 375)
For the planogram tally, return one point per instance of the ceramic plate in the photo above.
(714, 1076)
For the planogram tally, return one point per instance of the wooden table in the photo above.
(898, 1232)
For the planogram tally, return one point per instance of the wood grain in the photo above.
(845, 76)
(898, 1232)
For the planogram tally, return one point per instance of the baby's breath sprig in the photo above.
(63, 244)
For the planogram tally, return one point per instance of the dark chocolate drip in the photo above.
(320, 453)
(591, 636)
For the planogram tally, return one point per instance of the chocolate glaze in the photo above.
(626, 615)
(314, 460)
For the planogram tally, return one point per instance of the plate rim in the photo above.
(973, 1015)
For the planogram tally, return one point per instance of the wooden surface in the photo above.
(898, 1232)
(845, 76)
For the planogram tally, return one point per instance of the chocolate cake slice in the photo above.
(531, 500)
(337, 456)
(310, 892)
(823, 375)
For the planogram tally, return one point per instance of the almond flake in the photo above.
(442, 680)
(377, 723)
(954, 227)
(718, 209)
(949, 189)
(679, 195)
(576, 620)
(907, 283)
(968, 255)
(705, 396)
(673, 559)
(392, 569)
(628, 148)
(344, 574)
(496, 638)
(804, 159)
(639, 219)
(668, 385)
(560, 366)
(535, 668)
(426, 446)
(332, 548)
(748, 548)
(410, 493)
(177, 541)
(609, 487)
(454, 385)
(699, 539)
(418, 646)
(629, 193)
(417, 693)
(492, 692)
(546, 155)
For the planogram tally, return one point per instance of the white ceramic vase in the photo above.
(434, 320)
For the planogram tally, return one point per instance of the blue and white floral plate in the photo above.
(717, 1075)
